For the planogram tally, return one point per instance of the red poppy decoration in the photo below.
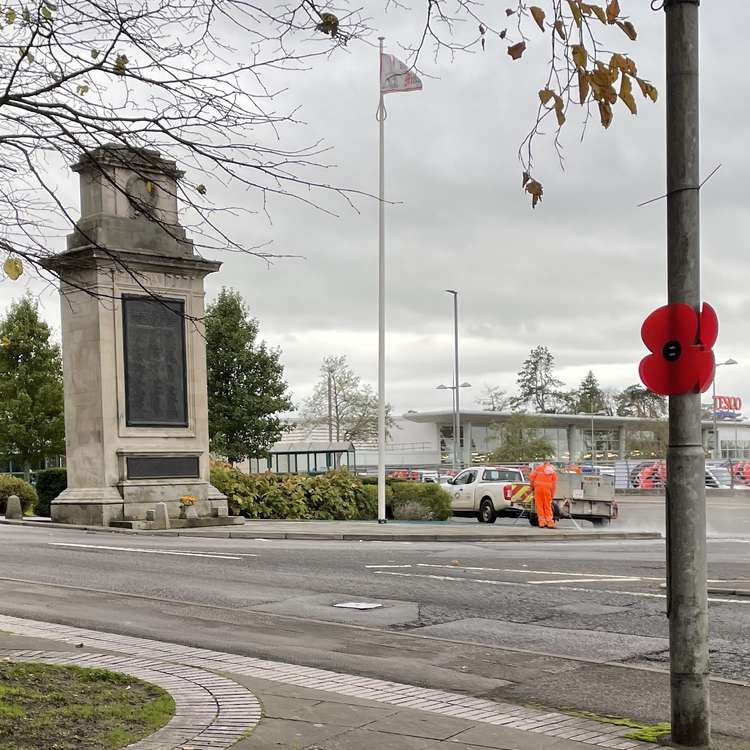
(681, 342)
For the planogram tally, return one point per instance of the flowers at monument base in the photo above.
(187, 500)
(681, 343)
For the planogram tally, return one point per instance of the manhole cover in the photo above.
(357, 605)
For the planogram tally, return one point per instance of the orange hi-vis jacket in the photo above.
(539, 478)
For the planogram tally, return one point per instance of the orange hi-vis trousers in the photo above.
(543, 505)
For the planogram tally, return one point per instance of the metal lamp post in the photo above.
(716, 453)
(456, 439)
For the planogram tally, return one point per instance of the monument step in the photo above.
(181, 523)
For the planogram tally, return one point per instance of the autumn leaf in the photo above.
(516, 50)
(13, 268)
(201, 189)
(94, 54)
(26, 15)
(583, 86)
(575, 9)
(503, 33)
(538, 15)
(560, 114)
(629, 29)
(648, 90)
(121, 62)
(534, 189)
(5, 341)
(10, 16)
(560, 29)
(605, 112)
(329, 24)
(599, 13)
(580, 56)
(82, 89)
(613, 10)
(626, 94)
(545, 96)
(526, 178)
(149, 186)
(509, 11)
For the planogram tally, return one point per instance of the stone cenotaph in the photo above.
(134, 354)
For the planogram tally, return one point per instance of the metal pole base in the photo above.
(667, 741)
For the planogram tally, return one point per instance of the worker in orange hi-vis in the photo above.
(544, 483)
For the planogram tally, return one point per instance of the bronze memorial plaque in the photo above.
(155, 366)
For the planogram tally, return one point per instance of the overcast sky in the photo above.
(578, 274)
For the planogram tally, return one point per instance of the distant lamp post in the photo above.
(456, 435)
(715, 453)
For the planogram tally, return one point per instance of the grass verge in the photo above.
(71, 708)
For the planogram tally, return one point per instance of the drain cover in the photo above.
(357, 605)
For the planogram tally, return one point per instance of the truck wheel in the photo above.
(533, 519)
(600, 521)
(487, 511)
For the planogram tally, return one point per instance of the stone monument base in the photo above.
(98, 506)
(182, 523)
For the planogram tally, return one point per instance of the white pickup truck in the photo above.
(489, 492)
(478, 491)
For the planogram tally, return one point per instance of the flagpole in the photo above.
(381, 299)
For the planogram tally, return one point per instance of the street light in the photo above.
(713, 407)
(456, 407)
(453, 388)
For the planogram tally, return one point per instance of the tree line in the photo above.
(539, 391)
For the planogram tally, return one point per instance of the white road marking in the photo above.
(583, 576)
(144, 551)
(642, 594)
(388, 566)
(617, 579)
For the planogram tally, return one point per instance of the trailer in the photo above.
(582, 497)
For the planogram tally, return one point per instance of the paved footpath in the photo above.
(371, 531)
(224, 700)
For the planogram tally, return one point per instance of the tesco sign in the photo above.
(728, 403)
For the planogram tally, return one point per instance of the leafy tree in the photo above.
(343, 403)
(494, 399)
(638, 401)
(589, 397)
(520, 441)
(32, 424)
(537, 386)
(647, 441)
(246, 387)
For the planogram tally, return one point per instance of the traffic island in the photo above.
(72, 708)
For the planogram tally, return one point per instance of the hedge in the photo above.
(49, 484)
(10, 485)
(338, 495)
(420, 501)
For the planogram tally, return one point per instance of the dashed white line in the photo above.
(144, 551)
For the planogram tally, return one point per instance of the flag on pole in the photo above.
(397, 76)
